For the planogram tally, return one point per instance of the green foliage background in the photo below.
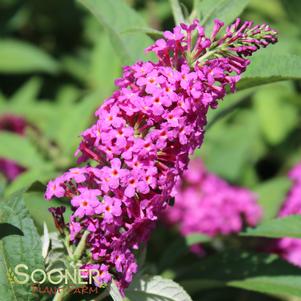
(58, 62)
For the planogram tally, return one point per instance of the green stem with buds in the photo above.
(63, 292)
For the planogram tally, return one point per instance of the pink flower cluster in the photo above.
(15, 124)
(290, 248)
(208, 205)
(144, 133)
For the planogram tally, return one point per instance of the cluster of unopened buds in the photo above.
(144, 134)
(207, 204)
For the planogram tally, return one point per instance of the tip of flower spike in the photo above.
(240, 39)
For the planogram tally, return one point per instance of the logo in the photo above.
(79, 280)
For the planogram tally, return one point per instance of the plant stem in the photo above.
(63, 292)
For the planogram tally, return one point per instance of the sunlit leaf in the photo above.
(156, 288)
(21, 57)
(19, 149)
(273, 107)
(271, 195)
(268, 67)
(72, 122)
(289, 226)
(117, 17)
(225, 10)
(28, 93)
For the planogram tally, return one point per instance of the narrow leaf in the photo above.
(103, 72)
(27, 178)
(281, 285)
(271, 104)
(289, 226)
(268, 67)
(68, 131)
(116, 17)
(28, 93)
(21, 57)
(19, 149)
(271, 195)
(225, 10)
(257, 272)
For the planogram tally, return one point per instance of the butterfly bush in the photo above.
(15, 124)
(140, 144)
(290, 248)
(207, 204)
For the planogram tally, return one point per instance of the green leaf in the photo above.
(242, 269)
(172, 253)
(54, 251)
(16, 250)
(230, 103)
(237, 265)
(271, 195)
(67, 95)
(268, 67)
(177, 11)
(72, 122)
(116, 17)
(103, 72)
(75, 66)
(38, 113)
(292, 8)
(281, 285)
(19, 149)
(272, 105)
(38, 208)
(289, 226)
(156, 288)
(24, 180)
(225, 10)
(28, 93)
(179, 248)
(229, 155)
(21, 57)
